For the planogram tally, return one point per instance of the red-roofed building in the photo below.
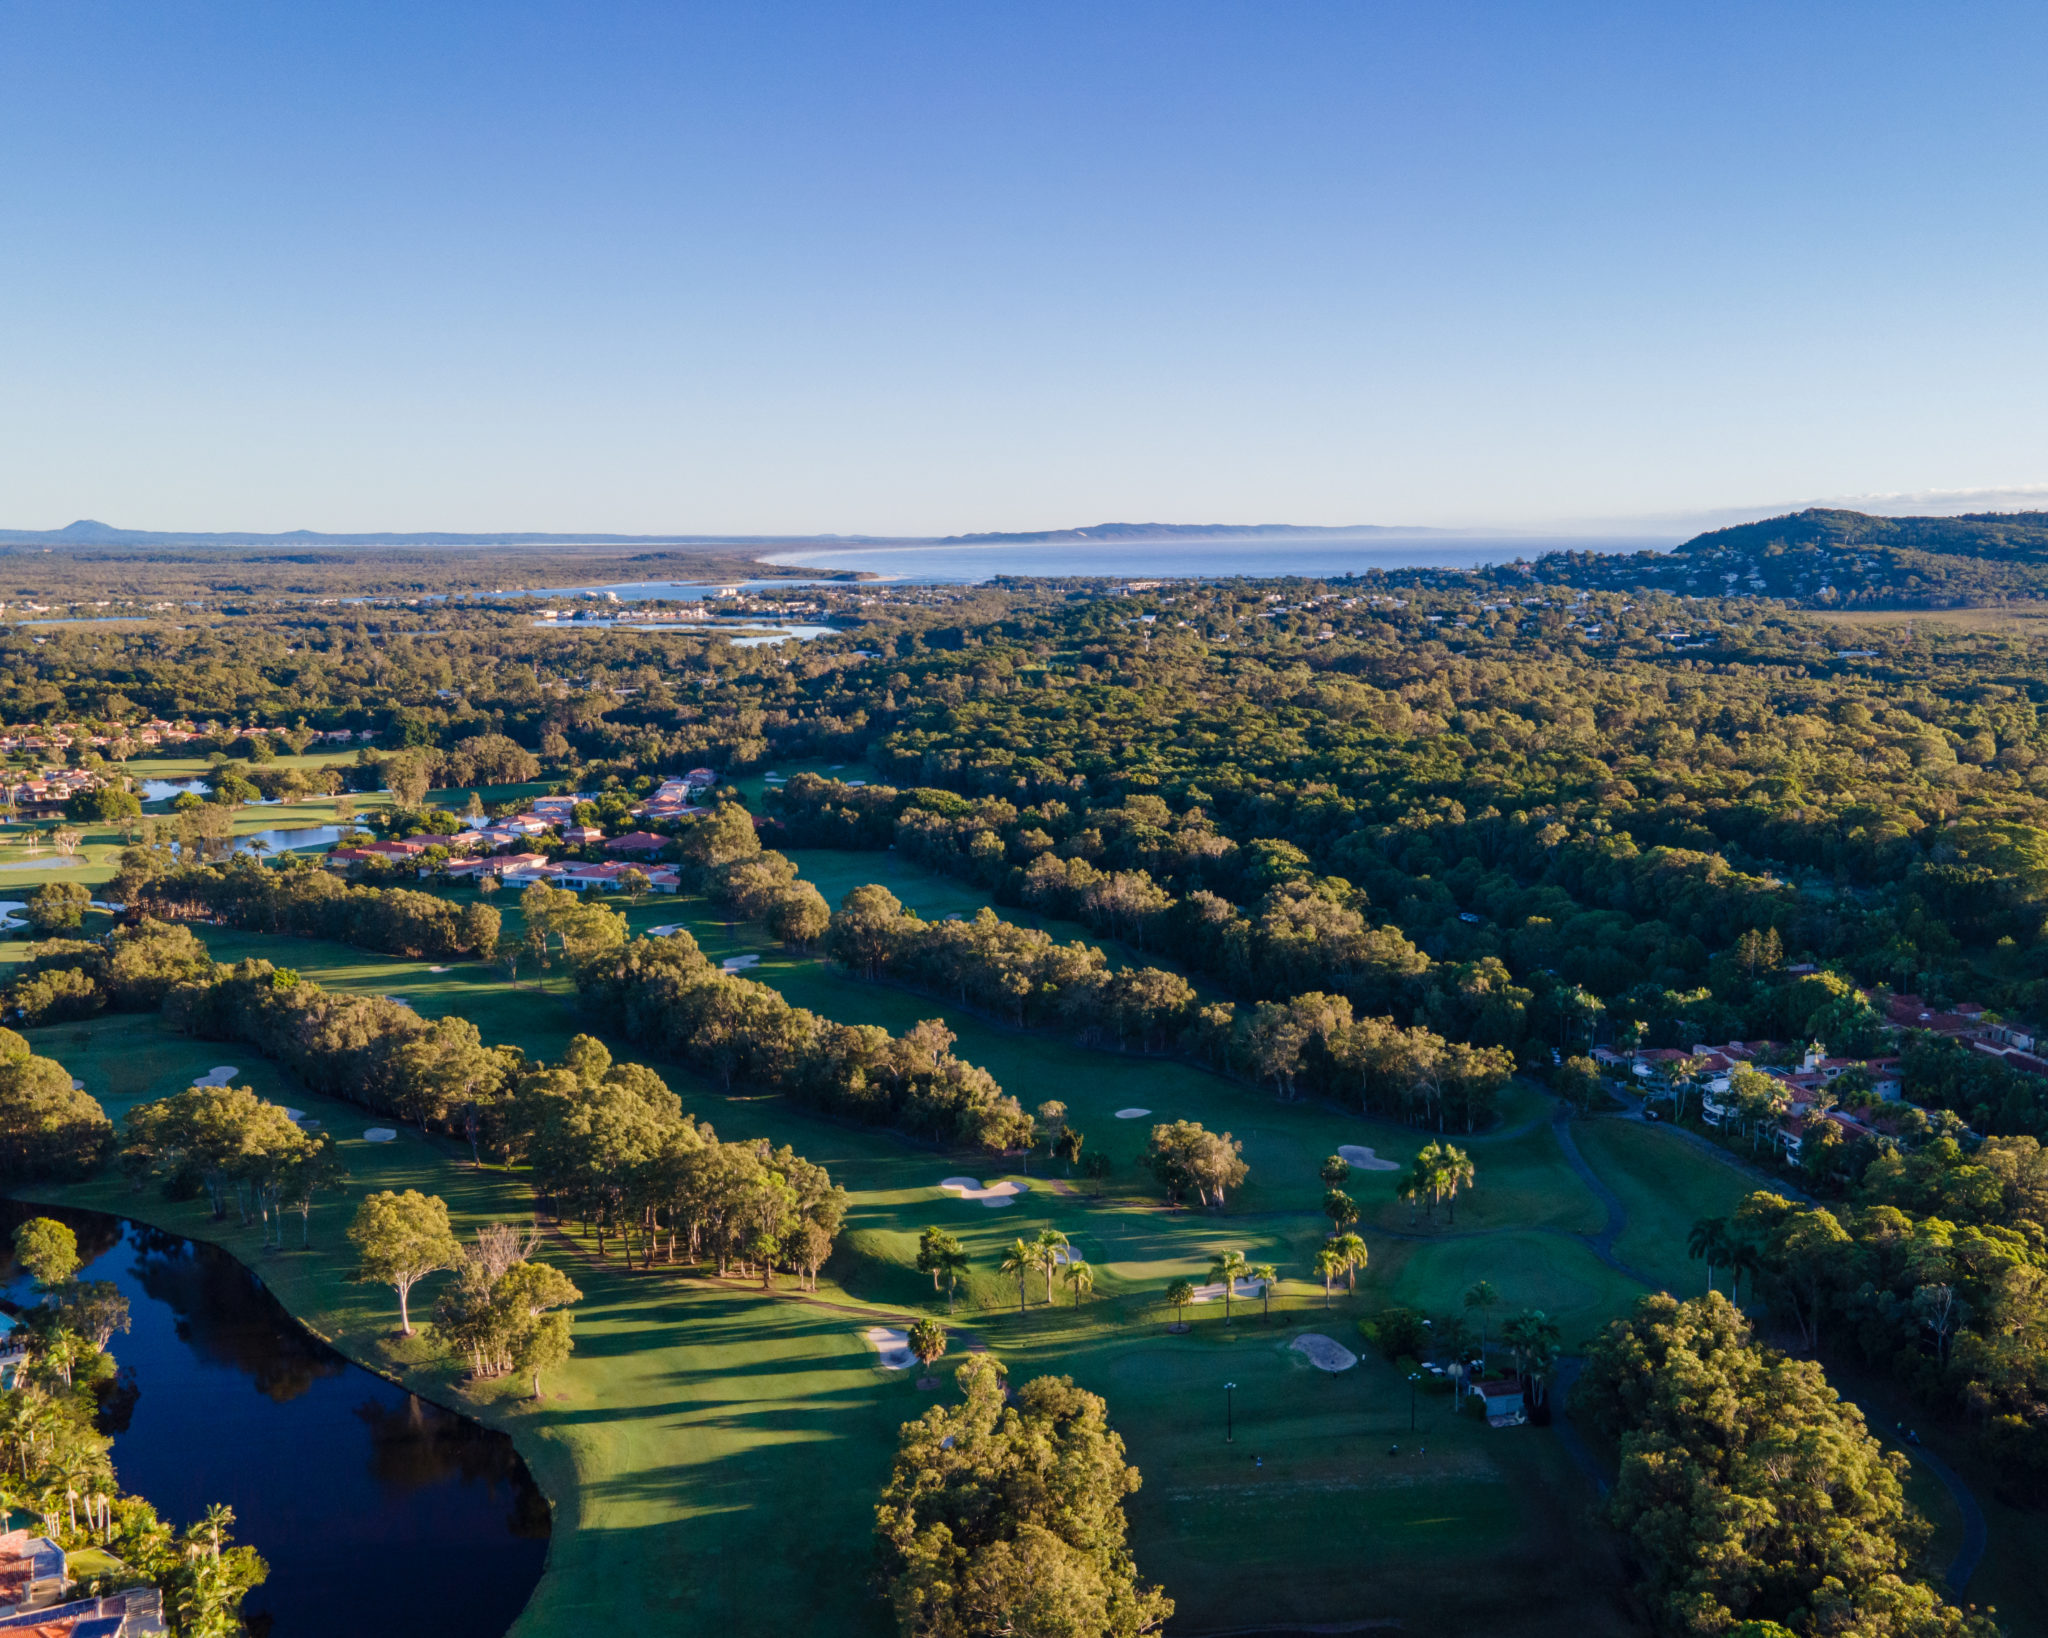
(639, 841)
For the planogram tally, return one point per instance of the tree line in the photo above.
(300, 897)
(665, 994)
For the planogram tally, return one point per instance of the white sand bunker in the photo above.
(379, 1134)
(437, 969)
(893, 1346)
(294, 1115)
(667, 929)
(76, 1084)
(1132, 1114)
(398, 1001)
(218, 1075)
(1246, 1289)
(739, 964)
(1364, 1160)
(996, 1194)
(1324, 1353)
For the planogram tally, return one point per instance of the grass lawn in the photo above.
(1666, 1185)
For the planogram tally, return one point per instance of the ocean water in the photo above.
(1190, 560)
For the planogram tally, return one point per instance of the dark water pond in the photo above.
(377, 1511)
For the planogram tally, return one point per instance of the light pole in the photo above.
(1229, 1417)
(1413, 1378)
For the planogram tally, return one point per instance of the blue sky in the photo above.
(878, 268)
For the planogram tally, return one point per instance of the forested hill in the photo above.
(1823, 558)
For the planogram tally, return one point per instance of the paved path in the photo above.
(1976, 1534)
(1601, 1244)
(1568, 1435)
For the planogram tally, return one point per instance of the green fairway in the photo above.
(684, 1460)
(1666, 1185)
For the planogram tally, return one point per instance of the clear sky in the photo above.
(783, 267)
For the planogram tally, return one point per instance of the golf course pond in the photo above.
(375, 1510)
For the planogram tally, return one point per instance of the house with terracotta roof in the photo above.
(531, 868)
(33, 1575)
(639, 841)
(1500, 1399)
(498, 864)
(347, 858)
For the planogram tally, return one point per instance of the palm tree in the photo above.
(1266, 1274)
(1709, 1241)
(1341, 1210)
(214, 1525)
(950, 1258)
(1020, 1260)
(927, 1341)
(1480, 1298)
(1352, 1249)
(1229, 1267)
(1533, 1338)
(1080, 1276)
(1455, 1171)
(1180, 1293)
(1049, 1245)
(1329, 1264)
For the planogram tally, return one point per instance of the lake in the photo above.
(284, 841)
(166, 790)
(377, 1511)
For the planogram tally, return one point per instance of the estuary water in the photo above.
(377, 1512)
(1194, 559)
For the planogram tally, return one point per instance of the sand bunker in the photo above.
(294, 1115)
(379, 1134)
(1245, 1289)
(996, 1194)
(1324, 1353)
(739, 964)
(218, 1075)
(399, 1001)
(1363, 1159)
(76, 1084)
(667, 929)
(893, 1346)
(437, 969)
(1132, 1114)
